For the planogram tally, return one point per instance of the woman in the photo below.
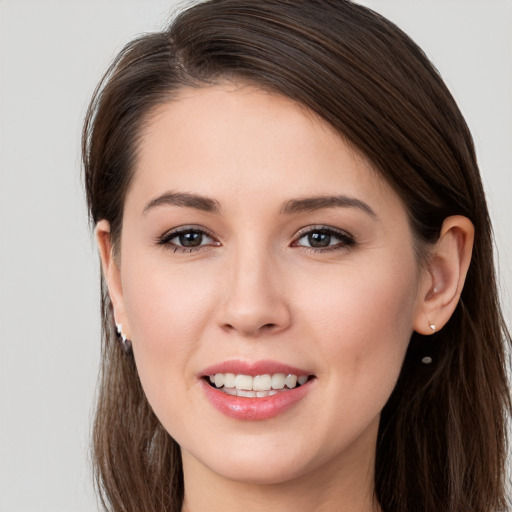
(299, 302)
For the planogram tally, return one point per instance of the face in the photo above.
(259, 250)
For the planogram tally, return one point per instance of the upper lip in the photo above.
(239, 367)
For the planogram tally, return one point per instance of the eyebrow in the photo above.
(309, 204)
(306, 204)
(184, 199)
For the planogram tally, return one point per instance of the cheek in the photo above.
(360, 323)
(363, 317)
(164, 298)
(168, 310)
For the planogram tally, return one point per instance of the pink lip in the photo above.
(252, 368)
(254, 409)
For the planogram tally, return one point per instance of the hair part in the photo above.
(442, 435)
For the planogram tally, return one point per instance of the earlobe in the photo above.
(111, 273)
(445, 275)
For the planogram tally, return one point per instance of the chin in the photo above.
(258, 461)
(252, 472)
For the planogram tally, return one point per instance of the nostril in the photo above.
(248, 330)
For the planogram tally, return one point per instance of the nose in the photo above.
(254, 301)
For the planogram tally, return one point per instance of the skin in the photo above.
(254, 290)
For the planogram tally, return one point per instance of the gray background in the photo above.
(51, 55)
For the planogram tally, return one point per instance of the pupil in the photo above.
(190, 239)
(319, 239)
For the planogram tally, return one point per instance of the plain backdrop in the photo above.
(52, 53)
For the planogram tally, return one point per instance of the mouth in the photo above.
(257, 390)
(256, 386)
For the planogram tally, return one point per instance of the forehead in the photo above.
(229, 138)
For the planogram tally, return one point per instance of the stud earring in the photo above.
(428, 359)
(126, 344)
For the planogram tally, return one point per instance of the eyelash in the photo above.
(346, 240)
(165, 239)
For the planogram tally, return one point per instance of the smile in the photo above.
(257, 386)
(255, 390)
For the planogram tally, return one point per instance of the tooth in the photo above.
(229, 391)
(243, 382)
(229, 380)
(262, 383)
(247, 394)
(272, 392)
(290, 381)
(261, 394)
(219, 380)
(212, 379)
(302, 379)
(278, 380)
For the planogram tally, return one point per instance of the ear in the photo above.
(112, 274)
(445, 275)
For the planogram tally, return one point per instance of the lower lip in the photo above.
(255, 409)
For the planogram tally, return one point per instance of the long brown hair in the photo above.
(442, 437)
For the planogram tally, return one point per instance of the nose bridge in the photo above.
(254, 299)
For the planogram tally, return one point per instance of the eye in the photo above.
(187, 239)
(323, 238)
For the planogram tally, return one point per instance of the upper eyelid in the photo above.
(183, 229)
(321, 227)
